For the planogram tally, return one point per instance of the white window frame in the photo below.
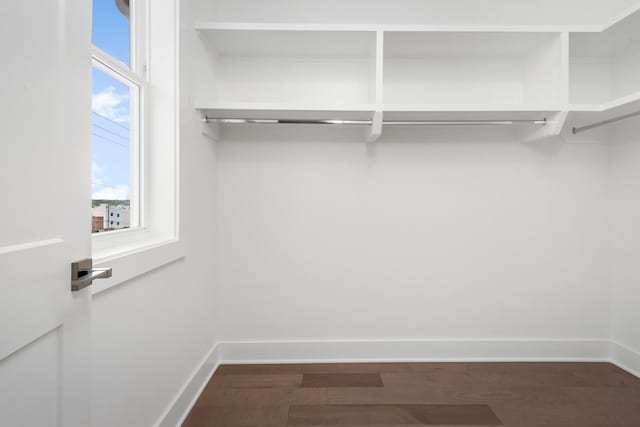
(155, 242)
(120, 72)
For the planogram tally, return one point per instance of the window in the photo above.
(139, 57)
(118, 86)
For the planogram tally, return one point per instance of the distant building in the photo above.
(97, 224)
(106, 217)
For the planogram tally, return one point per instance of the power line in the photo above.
(111, 141)
(111, 132)
(110, 120)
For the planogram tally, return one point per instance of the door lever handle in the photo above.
(83, 274)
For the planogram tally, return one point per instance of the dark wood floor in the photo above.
(409, 394)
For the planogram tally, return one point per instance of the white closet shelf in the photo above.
(366, 111)
(624, 102)
(279, 69)
(468, 112)
(286, 111)
(605, 67)
(275, 26)
(586, 114)
(286, 26)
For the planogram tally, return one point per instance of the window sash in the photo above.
(111, 65)
(123, 74)
(135, 77)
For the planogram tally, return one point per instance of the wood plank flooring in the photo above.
(409, 394)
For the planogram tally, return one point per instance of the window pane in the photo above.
(113, 154)
(111, 28)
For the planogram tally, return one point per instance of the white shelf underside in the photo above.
(366, 111)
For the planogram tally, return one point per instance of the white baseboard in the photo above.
(412, 351)
(625, 358)
(270, 352)
(181, 404)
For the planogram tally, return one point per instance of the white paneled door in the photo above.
(45, 177)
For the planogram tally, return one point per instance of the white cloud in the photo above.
(118, 192)
(111, 104)
(97, 173)
(102, 191)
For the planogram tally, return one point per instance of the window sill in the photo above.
(132, 262)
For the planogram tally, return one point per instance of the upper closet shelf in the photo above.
(286, 26)
(629, 102)
(584, 118)
(605, 67)
(467, 112)
(605, 74)
(287, 112)
(390, 113)
(292, 69)
(460, 70)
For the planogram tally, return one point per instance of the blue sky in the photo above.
(110, 104)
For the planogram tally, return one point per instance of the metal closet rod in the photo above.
(606, 122)
(370, 122)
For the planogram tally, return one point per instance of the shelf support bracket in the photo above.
(553, 128)
(375, 130)
(210, 130)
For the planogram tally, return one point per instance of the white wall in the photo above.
(151, 333)
(625, 244)
(442, 234)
